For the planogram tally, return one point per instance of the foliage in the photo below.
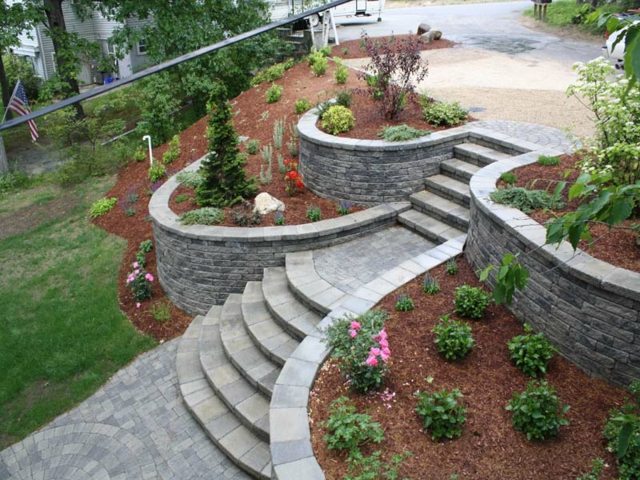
(531, 352)
(451, 267)
(511, 275)
(161, 312)
(102, 206)
(14, 180)
(525, 200)
(430, 285)
(471, 302)
(224, 182)
(278, 218)
(302, 105)
(202, 216)
(597, 467)
(266, 154)
(19, 68)
(293, 182)
(441, 413)
(548, 161)
(628, 32)
(182, 197)
(278, 133)
(372, 467)
(156, 172)
(349, 430)
(140, 154)
(344, 207)
(191, 179)
(294, 140)
(273, 93)
(253, 146)
(314, 213)
(509, 178)
(443, 113)
(270, 74)
(537, 412)
(401, 133)
(362, 348)
(453, 338)
(396, 66)
(404, 303)
(343, 98)
(282, 168)
(342, 74)
(139, 281)
(143, 249)
(173, 152)
(622, 432)
(244, 215)
(318, 62)
(159, 103)
(337, 119)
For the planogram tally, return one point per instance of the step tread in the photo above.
(269, 337)
(287, 310)
(429, 226)
(242, 446)
(238, 347)
(460, 167)
(475, 150)
(441, 206)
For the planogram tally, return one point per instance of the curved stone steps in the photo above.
(292, 315)
(449, 187)
(268, 336)
(238, 347)
(220, 424)
(249, 405)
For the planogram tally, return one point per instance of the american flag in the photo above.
(19, 104)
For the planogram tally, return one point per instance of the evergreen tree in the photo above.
(224, 180)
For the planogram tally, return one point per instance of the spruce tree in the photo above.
(224, 180)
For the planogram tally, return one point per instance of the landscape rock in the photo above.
(423, 28)
(266, 203)
(432, 35)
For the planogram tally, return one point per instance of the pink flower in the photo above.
(130, 278)
(136, 265)
(385, 354)
(384, 343)
(352, 333)
(355, 326)
(371, 361)
(138, 305)
(381, 336)
(148, 277)
(374, 351)
(137, 271)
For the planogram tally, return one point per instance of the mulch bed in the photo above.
(489, 448)
(614, 245)
(355, 49)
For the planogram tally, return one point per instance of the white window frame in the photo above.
(144, 44)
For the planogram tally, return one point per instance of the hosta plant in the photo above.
(531, 352)
(441, 413)
(102, 206)
(453, 338)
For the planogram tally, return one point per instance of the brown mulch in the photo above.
(614, 245)
(355, 49)
(489, 448)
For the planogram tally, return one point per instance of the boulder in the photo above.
(266, 203)
(432, 35)
(423, 28)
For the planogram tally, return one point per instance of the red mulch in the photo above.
(355, 49)
(489, 448)
(614, 245)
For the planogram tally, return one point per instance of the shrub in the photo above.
(139, 281)
(13, 181)
(189, 179)
(161, 312)
(102, 206)
(372, 467)
(451, 267)
(396, 66)
(622, 160)
(244, 215)
(314, 214)
(273, 93)
(348, 429)
(269, 74)
(536, 412)
(202, 216)
(524, 199)
(430, 285)
(302, 105)
(401, 133)
(145, 246)
(156, 172)
(361, 347)
(471, 302)
(173, 152)
(344, 207)
(404, 303)
(548, 161)
(140, 155)
(531, 352)
(441, 413)
(443, 113)
(343, 98)
(453, 338)
(622, 432)
(337, 119)
(253, 146)
(342, 74)
(509, 178)
(319, 67)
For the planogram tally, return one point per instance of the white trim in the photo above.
(138, 48)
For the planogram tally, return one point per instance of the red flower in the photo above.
(293, 175)
(299, 184)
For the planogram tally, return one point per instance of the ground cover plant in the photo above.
(401, 133)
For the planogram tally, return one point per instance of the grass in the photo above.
(563, 13)
(63, 334)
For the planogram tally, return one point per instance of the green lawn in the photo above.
(62, 334)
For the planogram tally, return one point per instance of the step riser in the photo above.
(428, 234)
(441, 215)
(262, 388)
(286, 326)
(447, 193)
(473, 157)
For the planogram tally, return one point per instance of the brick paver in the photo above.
(531, 132)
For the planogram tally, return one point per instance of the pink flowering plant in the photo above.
(139, 281)
(361, 346)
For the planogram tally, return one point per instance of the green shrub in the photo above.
(441, 413)
(253, 146)
(401, 133)
(302, 105)
(531, 352)
(156, 172)
(471, 302)
(314, 214)
(145, 246)
(524, 199)
(453, 338)
(191, 179)
(623, 160)
(173, 152)
(202, 216)
(140, 155)
(509, 178)
(622, 432)
(343, 98)
(597, 466)
(404, 303)
(451, 267)
(349, 430)
(537, 412)
(102, 206)
(161, 312)
(270, 74)
(372, 467)
(443, 113)
(430, 285)
(319, 66)
(337, 119)
(273, 94)
(341, 75)
(11, 181)
(548, 161)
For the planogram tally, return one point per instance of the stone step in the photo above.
(255, 366)
(243, 399)
(243, 447)
(448, 187)
(428, 226)
(268, 336)
(478, 154)
(291, 314)
(443, 209)
(459, 169)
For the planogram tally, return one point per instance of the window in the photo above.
(142, 47)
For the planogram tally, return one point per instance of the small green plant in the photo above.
(537, 412)
(404, 303)
(342, 74)
(443, 113)
(191, 179)
(130, 212)
(548, 161)
(509, 178)
(531, 352)
(282, 168)
(265, 165)
(525, 200)
(318, 63)
(273, 94)
(441, 414)
(278, 218)
(102, 206)
(430, 285)
(401, 133)
(451, 267)
(244, 215)
(182, 197)
(349, 430)
(173, 152)
(140, 155)
(302, 105)
(278, 133)
(597, 467)
(202, 216)
(337, 119)
(314, 214)
(344, 98)
(270, 74)
(253, 146)
(344, 207)
(453, 338)
(161, 312)
(622, 432)
(294, 140)
(372, 467)
(156, 172)
(471, 302)
(145, 246)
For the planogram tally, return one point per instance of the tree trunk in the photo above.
(6, 90)
(57, 28)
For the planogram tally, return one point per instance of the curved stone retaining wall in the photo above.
(199, 266)
(588, 308)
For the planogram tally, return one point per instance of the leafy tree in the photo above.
(224, 182)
